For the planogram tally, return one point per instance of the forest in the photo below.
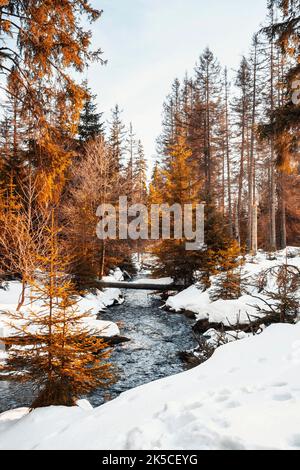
(229, 140)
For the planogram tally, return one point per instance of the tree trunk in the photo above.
(251, 182)
(282, 212)
(254, 229)
(102, 263)
(22, 296)
(228, 159)
(273, 241)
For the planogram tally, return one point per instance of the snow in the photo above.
(215, 338)
(247, 396)
(243, 309)
(92, 303)
(164, 281)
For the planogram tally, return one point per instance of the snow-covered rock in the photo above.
(247, 396)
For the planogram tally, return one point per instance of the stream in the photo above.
(155, 339)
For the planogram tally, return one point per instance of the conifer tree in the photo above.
(228, 282)
(285, 120)
(172, 120)
(52, 348)
(241, 106)
(117, 135)
(156, 185)
(180, 187)
(131, 149)
(90, 125)
(208, 83)
(42, 42)
(140, 174)
(216, 239)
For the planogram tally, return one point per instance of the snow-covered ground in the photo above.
(247, 396)
(92, 303)
(163, 281)
(241, 310)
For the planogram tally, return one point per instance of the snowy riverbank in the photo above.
(247, 396)
(246, 307)
(92, 303)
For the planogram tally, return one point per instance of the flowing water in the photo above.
(155, 339)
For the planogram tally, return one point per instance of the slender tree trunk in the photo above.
(273, 241)
(281, 192)
(251, 183)
(22, 296)
(208, 136)
(223, 180)
(254, 229)
(282, 211)
(102, 262)
(228, 158)
(241, 178)
(237, 223)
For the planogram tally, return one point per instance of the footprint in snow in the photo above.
(279, 384)
(233, 404)
(223, 395)
(262, 360)
(193, 406)
(221, 398)
(282, 396)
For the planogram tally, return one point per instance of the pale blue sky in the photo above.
(150, 42)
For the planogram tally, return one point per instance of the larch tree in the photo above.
(42, 42)
(180, 187)
(51, 347)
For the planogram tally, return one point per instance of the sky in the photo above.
(148, 43)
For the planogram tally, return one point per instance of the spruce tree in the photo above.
(140, 174)
(117, 135)
(131, 150)
(208, 83)
(90, 125)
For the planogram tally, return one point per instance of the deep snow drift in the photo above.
(247, 396)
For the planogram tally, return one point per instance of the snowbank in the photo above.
(231, 312)
(247, 396)
(92, 303)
